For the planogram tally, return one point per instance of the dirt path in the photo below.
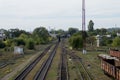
(19, 68)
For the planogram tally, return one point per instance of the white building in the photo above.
(98, 37)
(118, 34)
(18, 50)
(52, 35)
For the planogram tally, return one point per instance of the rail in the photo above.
(25, 72)
(41, 74)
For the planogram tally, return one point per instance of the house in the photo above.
(99, 39)
(118, 34)
(2, 35)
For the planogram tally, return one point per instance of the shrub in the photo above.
(76, 41)
(19, 42)
(30, 44)
(116, 42)
(2, 44)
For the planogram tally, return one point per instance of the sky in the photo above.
(58, 14)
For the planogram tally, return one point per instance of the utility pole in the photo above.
(83, 27)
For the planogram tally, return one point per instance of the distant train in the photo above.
(110, 64)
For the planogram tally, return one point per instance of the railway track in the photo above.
(46, 65)
(63, 69)
(25, 72)
(83, 72)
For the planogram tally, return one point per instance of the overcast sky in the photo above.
(29, 14)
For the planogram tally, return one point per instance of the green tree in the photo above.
(116, 42)
(24, 37)
(91, 40)
(76, 41)
(60, 32)
(41, 34)
(104, 41)
(8, 42)
(30, 43)
(15, 32)
(90, 25)
(18, 42)
(103, 31)
(71, 31)
(2, 44)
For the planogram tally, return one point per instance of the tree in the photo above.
(103, 31)
(13, 33)
(104, 41)
(24, 36)
(116, 42)
(8, 42)
(76, 41)
(41, 34)
(30, 43)
(2, 44)
(18, 42)
(60, 32)
(71, 31)
(91, 40)
(90, 25)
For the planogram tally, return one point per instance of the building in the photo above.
(118, 34)
(2, 35)
(99, 39)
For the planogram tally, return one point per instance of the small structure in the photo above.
(98, 37)
(18, 50)
(84, 51)
(108, 36)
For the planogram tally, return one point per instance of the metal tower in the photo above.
(83, 15)
(83, 27)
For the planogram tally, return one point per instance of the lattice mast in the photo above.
(83, 16)
(83, 26)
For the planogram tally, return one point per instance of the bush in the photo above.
(2, 44)
(116, 42)
(8, 42)
(19, 42)
(30, 44)
(76, 41)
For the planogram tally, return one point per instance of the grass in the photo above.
(72, 70)
(53, 71)
(91, 59)
(33, 72)
(10, 67)
(15, 62)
